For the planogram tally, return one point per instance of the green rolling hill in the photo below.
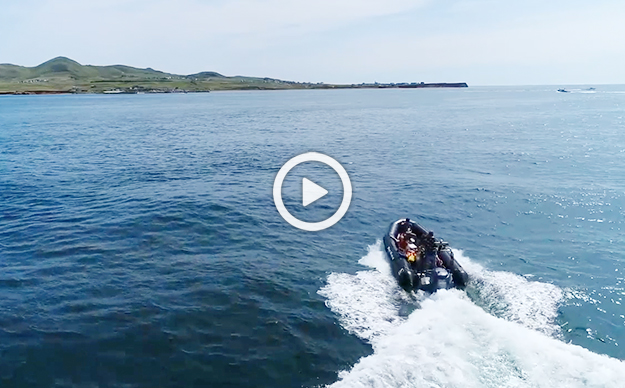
(65, 75)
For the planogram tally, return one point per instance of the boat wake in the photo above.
(505, 335)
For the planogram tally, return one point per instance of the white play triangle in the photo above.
(311, 192)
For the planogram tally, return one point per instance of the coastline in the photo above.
(290, 86)
(62, 75)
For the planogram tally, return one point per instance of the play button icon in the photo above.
(312, 192)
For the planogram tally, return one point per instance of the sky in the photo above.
(481, 42)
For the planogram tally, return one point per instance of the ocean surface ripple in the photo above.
(140, 247)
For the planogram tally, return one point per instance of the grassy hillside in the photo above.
(65, 75)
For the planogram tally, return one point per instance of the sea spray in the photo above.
(453, 341)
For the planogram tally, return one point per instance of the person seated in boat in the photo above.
(407, 244)
(402, 242)
(429, 239)
(413, 251)
(416, 252)
(404, 238)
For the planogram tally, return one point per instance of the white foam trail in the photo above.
(452, 342)
(368, 301)
(507, 295)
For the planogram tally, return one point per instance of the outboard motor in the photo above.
(432, 278)
(435, 279)
(443, 278)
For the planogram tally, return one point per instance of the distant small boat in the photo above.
(590, 89)
(563, 91)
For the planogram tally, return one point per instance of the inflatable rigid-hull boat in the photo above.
(419, 261)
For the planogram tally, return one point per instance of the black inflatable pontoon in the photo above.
(419, 261)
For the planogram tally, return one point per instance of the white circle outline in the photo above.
(312, 157)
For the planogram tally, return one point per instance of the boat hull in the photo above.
(426, 275)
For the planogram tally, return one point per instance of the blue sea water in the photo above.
(140, 247)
